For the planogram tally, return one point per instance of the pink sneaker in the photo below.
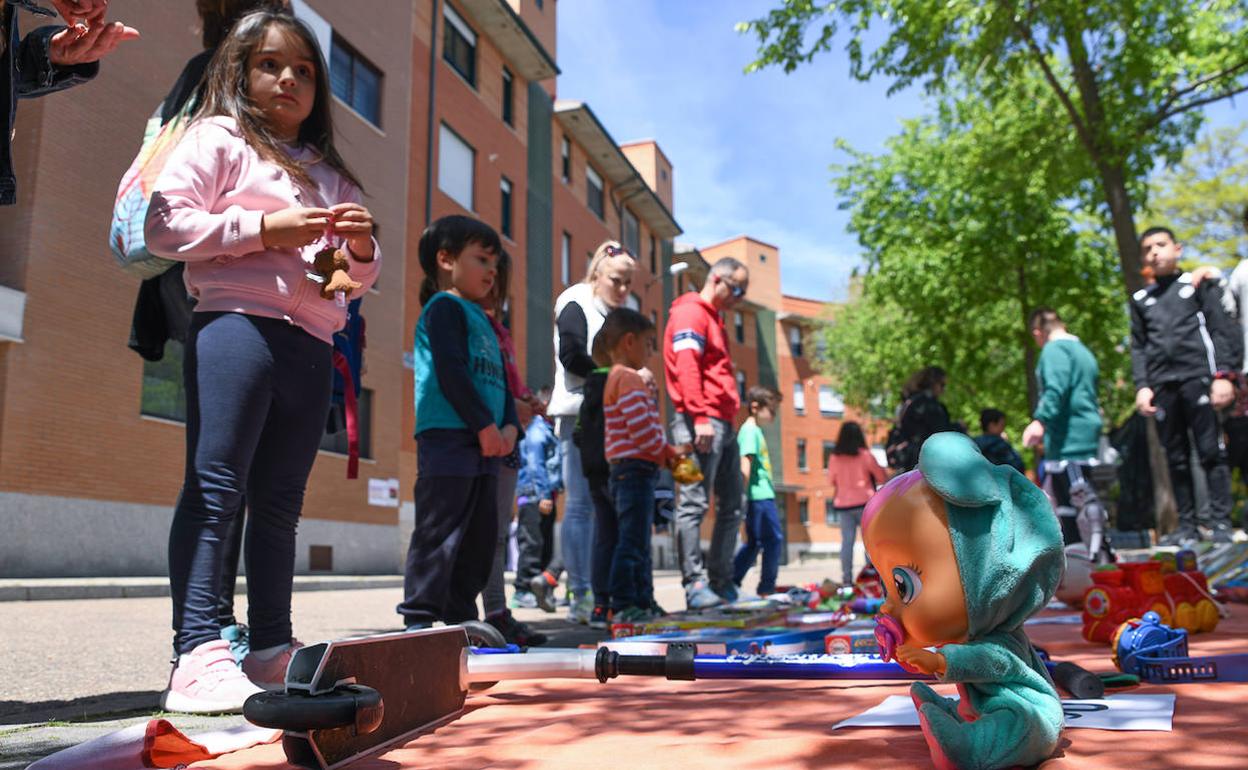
(206, 680)
(270, 674)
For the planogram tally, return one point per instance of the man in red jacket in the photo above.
(701, 382)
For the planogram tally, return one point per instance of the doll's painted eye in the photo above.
(908, 583)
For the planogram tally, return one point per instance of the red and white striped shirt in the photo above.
(632, 428)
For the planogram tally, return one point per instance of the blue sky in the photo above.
(751, 152)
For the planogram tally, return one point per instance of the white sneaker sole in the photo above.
(185, 704)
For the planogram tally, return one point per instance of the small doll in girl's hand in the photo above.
(969, 550)
(331, 266)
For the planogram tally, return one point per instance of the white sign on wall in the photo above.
(383, 492)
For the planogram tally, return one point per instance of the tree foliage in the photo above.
(962, 241)
(1203, 197)
(1124, 77)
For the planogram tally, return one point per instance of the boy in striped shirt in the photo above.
(636, 447)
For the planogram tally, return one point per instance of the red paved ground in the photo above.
(724, 725)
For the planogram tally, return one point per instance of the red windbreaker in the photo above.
(701, 380)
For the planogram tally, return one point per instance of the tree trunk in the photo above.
(1166, 513)
(1114, 186)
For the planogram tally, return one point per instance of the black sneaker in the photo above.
(601, 617)
(516, 632)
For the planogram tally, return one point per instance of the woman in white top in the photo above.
(579, 313)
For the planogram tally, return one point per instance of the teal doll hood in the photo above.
(1005, 535)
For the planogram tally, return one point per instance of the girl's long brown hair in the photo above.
(225, 93)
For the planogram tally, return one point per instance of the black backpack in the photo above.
(589, 435)
(897, 445)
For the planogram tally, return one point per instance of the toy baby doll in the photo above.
(968, 550)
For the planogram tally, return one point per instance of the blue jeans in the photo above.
(578, 513)
(606, 535)
(632, 489)
(851, 520)
(762, 531)
(257, 396)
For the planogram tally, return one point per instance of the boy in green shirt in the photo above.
(762, 519)
(1068, 421)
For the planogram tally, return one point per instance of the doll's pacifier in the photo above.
(888, 634)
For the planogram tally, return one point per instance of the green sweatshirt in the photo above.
(1066, 375)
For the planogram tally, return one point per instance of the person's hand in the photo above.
(1033, 434)
(524, 411)
(703, 436)
(920, 659)
(1144, 402)
(294, 227)
(492, 444)
(546, 507)
(509, 434)
(681, 450)
(355, 224)
(82, 43)
(1205, 272)
(536, 406)
(1221, 393)
(647, 377)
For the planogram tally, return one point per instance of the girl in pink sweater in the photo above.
(854, 475)
(252, 192)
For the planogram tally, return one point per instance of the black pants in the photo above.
(229, 569)
(548, 561)
(1184, 406)
(606, 535)
(530, 543)
(1237, 445)
(452, 548)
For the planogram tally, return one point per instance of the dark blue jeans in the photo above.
(762, 531)
(257, 396)
(632, 490)
(606, 535)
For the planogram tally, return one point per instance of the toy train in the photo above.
(1172, 587)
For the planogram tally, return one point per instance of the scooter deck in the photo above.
(417, 674)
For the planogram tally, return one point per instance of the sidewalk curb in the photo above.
(63, 589)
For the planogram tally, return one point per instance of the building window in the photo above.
(565, 260)
(828, 447)
(821, 346)
(795, 341)
(565, 153)
(355, 81)
(801, 455)
(459, 46)
(741, 385)
(456, 161)
(163, 395)
(634, 299)
(538, 3)
(504, 220)
(799, 398)
(593, 191)
(337, 442)
(654, 259)
(831, 516)
(738, 322)
(830, 404)
(630, 233)
(508, 80)
(803, 511)
(762, 258)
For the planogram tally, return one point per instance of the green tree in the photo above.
(1203, 197)
(1125, 78)
(961, 242)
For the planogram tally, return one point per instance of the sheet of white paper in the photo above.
(1117, 712)
(383, 492)
(1062, 620)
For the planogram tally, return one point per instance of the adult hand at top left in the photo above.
(88, 41)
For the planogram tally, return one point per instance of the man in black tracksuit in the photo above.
(1184, 350)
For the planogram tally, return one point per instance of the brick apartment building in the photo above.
(441, 106)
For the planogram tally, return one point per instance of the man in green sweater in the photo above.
(1067, 419)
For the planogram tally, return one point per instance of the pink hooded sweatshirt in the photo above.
(206, 210)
